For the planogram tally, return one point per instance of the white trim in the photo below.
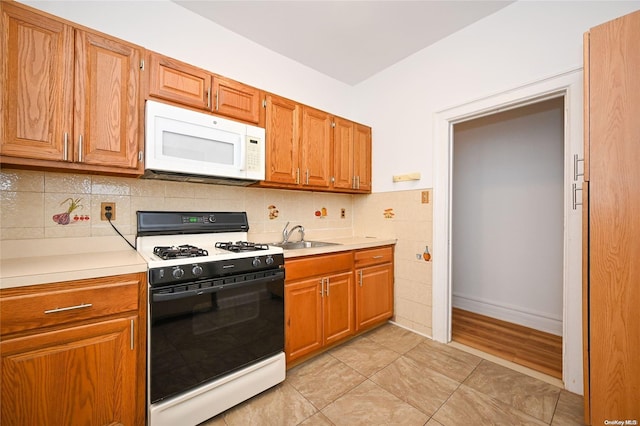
(569, 85)
(515, 314)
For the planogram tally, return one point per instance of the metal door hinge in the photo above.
(264, 103)
(142, 64)
(333, 124)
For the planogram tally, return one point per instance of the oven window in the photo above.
(201, 337)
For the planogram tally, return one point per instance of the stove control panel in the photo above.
(213, 269)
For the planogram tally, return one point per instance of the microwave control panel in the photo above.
(254, 153)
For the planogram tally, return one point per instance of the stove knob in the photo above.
(212, 218)
(269, 260)
(177, 273)
(256, 262)
(196, 270)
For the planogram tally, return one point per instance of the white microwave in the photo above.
(186, 145)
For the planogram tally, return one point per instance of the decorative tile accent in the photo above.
(273, 212)
(68, 216)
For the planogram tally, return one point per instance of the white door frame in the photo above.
(569, 86)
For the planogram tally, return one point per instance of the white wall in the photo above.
(508, 189)
(519, 44)
(167, 28)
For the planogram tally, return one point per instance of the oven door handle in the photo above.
(166, 297)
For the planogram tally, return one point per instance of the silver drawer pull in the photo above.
(377, 257)
(69, 308)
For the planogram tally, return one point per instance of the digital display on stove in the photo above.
(193, 219)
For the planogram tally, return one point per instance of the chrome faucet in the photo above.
(286, 234)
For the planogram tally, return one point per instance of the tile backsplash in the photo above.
(35, 204)
(31, 203)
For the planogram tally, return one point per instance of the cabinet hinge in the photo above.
(264, 103)
(333, 124)
(142, 64)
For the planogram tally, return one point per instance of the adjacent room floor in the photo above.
(391, 376)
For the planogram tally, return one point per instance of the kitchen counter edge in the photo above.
(343, 244)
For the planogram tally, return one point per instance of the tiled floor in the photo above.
(391, 376)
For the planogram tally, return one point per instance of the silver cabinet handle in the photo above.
(217, 101)
(327, 291)
(298, 175)
(307, 176)
(377, 257)
(360, 277)
(321, 287)
(357, 182)
(65, 148)
(209, 98)
(132, 338)
(574, 196)
(69, 308)
(80, 149)
(576, 160)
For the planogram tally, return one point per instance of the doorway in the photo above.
(507, 234)
(566, 85)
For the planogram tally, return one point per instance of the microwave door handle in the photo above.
(243, 153)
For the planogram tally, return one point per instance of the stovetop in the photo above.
(188, 238)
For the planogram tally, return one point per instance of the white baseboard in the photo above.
(515, 314)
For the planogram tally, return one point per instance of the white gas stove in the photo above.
(216, 314)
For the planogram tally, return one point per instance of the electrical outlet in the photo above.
(425, 197)
(105, 207)
(343, 213)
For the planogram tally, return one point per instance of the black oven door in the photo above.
(202, 331)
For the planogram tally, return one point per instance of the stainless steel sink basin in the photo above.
(293, 245)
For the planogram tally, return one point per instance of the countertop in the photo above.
(343, 244)
(42, 261)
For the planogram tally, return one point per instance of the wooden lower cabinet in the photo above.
(82, 361)
(318, 302)
(374, 286)
(328, 301)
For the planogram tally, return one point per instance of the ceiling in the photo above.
(347, 40)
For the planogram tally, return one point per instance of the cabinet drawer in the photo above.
(48, 305)
(318, 265)
(373, 256)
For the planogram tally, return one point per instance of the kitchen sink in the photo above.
(294, 245)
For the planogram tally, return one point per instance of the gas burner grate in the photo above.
(176, 252)
(241, 246)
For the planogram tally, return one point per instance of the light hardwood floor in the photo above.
(391, 376)
(535, 349)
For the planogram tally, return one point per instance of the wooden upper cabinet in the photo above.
(107, 121)
(282, 129)
(176, 81)
(343, 176)
(236, 100)
(70, 96)
(351, 156)
(36, 84)
(362, 158)
(315, 148)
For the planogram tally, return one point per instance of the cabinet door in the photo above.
(362, 157)
(282, 127)
(107, 119)
(315, 148)
(178, 82)
(614, 229)
(80, 375)
(343, 161)
(303, 317)
(36, 84)
(236, 100)
(374, 295)
(338, 307)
